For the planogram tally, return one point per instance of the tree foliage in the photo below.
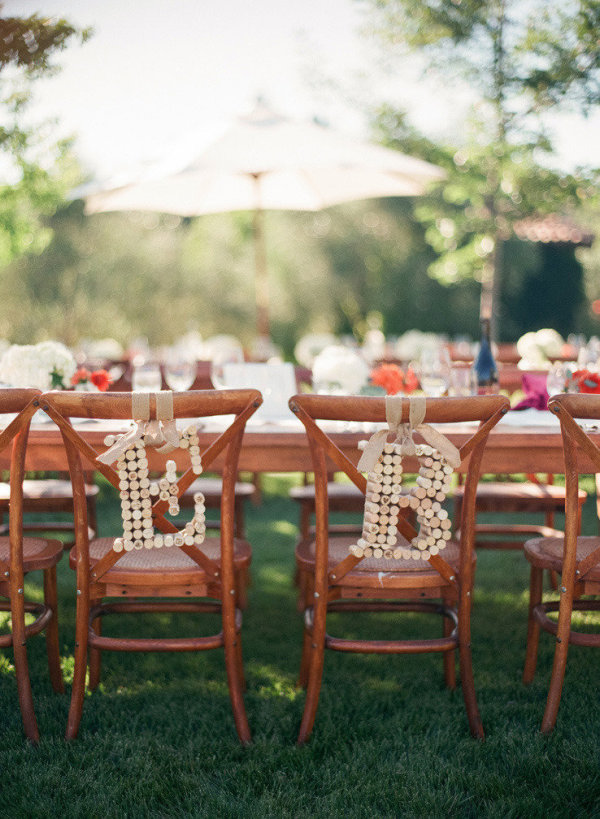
(34, 168)
(514, 54)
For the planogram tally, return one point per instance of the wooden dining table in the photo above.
(282, 447)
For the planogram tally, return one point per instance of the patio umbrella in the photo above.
(267, 162)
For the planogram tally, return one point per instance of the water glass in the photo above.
(218, 365)
(434, 373)
(463, 381)
(180, 373)
(146, 377)
(557, 378)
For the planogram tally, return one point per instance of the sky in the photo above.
(161, 78)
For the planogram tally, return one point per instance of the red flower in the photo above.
(81, 375)
(393, 379)
(587, 381)
(101, 380)
(411, 382)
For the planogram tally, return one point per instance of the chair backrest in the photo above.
(22, 404)
(153, 442)
(486, 411)
(582, 457)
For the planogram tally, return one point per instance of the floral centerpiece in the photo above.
(96, 381)
(584, 381)
(310, 345)
(339, 369)
(538, 348)
(45, 366)
(393, 379)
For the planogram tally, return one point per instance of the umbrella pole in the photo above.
(261, 276)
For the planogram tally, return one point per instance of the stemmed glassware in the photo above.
(434, 372)
(146, 377)
(219, 362)
(180, 372)
(557, 378)
(463, 381)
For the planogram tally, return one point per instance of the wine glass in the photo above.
(434, 373)
(219, 362)
(180, 373)
(463, 381)
(146, 377)
(557, 378)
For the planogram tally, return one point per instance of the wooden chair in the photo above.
(343, 497)
(185, 572)
(531, 497)
(335, 580)
(575, 558)
(537, 496)
(50, 496)
(21, 555)
(212, 489)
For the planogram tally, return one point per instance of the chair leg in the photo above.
(466, 667)
(316, 658)
(242, 581)
(81, 650)
(240, 661)
(234, 676)
(449, 659)
(559, 665)
(533, 629)
(95, 655)
(52, 640)
(305, 661)
(21, 665)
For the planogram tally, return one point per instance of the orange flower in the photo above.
(101, 380)
(411, 382)
(587, 381)
(388, 376)
(80, 375)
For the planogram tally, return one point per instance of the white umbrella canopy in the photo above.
(267, 162)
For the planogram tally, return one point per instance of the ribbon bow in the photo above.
(160, 432)
(404, 434)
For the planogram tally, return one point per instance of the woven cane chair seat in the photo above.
(338, 550)
(162, 560)
(38, 553)
(547, 552)
(516, 497)
(47, 489)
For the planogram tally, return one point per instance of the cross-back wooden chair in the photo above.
(337, 579)
(49, 496)
(144, 563)
(21, 555)
(575, 558)
(536, 500)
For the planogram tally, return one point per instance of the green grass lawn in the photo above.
(157, 738)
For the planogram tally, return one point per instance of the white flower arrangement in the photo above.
(221, 345)
(45, 366)
(339, 369)
(102, 349)
(536, 349)
(413, 343)
(310, 345)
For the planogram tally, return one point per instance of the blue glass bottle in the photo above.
(484, 365)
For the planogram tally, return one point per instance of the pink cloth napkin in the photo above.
(536, 394)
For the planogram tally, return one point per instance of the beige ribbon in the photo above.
(160, 432)
(404, 434)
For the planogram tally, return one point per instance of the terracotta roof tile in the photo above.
(553, 228)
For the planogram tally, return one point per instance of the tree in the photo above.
(34, 166)
(494, 177)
